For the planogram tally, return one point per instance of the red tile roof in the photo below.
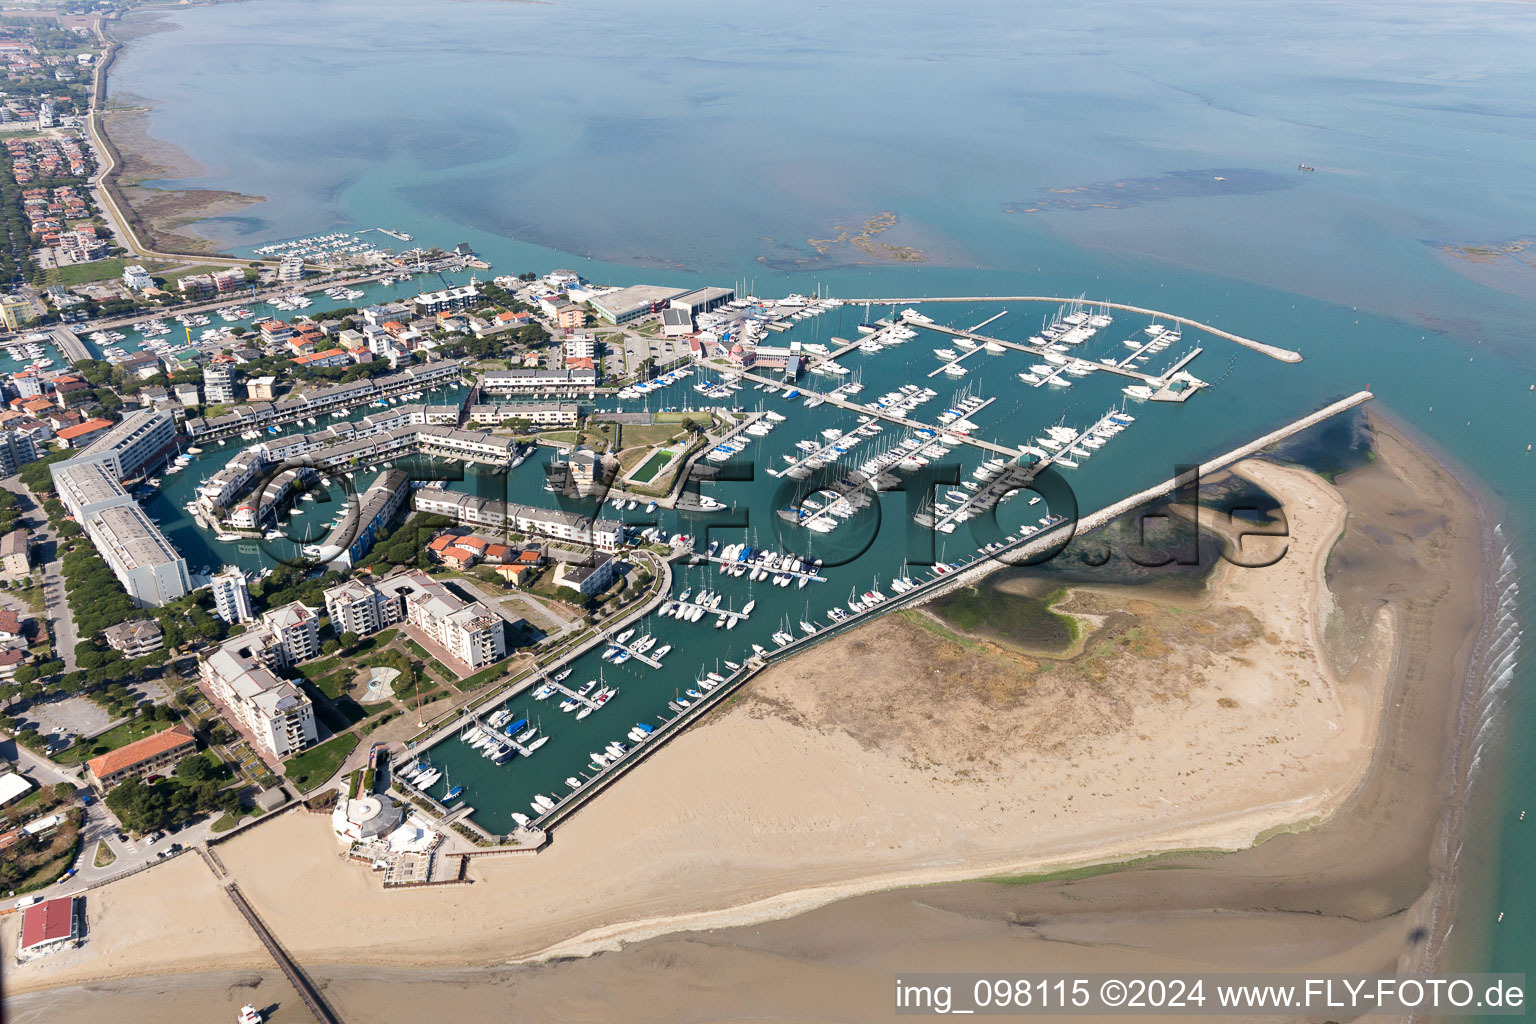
(48, 922)
(88, 427)
(139, 750)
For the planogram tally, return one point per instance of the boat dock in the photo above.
(967, 354)
(474, 720)
(684, 607)
(1285, 355)
(962, 357)
(637, 655)
(966, 416)
(891, 417)
(573, 695)
(1040, 352)
(853, 346)
(796, 573)
(1176, 367)
(826, 452)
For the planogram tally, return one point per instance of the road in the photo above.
(61, 623)
(99, 824)
(106, 164)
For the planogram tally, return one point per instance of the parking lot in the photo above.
(638, 349)
(71, 716)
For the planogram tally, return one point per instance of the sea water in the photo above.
(1145, 153)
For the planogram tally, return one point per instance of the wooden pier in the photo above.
(300, 982)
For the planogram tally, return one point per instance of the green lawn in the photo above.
(80, 273)
(647, 472)
(633, 435)
(317, 764)
(117, 736)
(104, 855)
(1004, 617)
(229, 821)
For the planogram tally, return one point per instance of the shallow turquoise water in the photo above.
(679, 142)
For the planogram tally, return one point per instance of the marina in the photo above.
(746, 546)
(1384, 269)
(741, 598)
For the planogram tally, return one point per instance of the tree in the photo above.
(195, 768)
(349, 640)
(26, 674)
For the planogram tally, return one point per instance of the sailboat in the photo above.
(454, 792)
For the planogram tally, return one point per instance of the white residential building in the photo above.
(603, 534)
(150, 570)
(356, 607)
(232, 595)
(240, 673)
(297, 629)
(219, 383)
(471, 632)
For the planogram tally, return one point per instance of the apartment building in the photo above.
(468, 630)
(232, 595)
(240, 674)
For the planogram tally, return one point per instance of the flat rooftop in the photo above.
(636, 296)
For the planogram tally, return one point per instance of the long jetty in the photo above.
(925, 591)
(296, 977)
(1285, 355)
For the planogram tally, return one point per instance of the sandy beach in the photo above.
(1252, 714)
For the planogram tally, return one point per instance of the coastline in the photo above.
(164, 217)
(1314, 849)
